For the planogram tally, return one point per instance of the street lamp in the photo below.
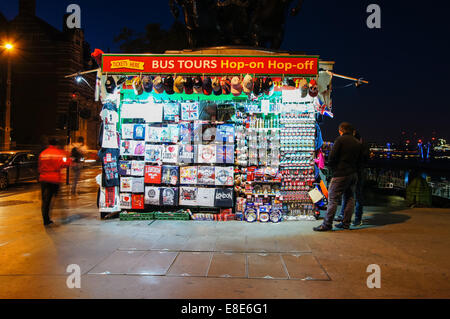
(7, 136)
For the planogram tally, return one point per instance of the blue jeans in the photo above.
(341, 186)
(358, 199)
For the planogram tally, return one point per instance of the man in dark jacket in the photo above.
(344, 160)
(365, 154)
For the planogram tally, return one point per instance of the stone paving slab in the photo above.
(118, 263)
(188, 264)
(266, 266)
(304, 267)
(153, 263)
(228, 265)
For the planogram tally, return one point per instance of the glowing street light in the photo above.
(7, 134)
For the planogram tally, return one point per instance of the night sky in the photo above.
(407, 61)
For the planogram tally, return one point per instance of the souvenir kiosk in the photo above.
(213, 134)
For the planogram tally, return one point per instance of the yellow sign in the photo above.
(127, 64)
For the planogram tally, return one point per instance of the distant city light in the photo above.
(9, 46)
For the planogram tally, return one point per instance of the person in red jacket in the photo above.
(51, 161)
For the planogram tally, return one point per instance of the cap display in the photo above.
(178, 85)
(147, 84)
(247, 84)
(257, 87)
(168, 85)
(217, 89)
(158, 85)
(137, 86)
(188, 85)
(236, 86)
(225, 82)
(198, 85)
(110, 85)
(304, 87)
(207, 86)
(313, 90)
(268, 86)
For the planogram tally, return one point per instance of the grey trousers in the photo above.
(341, 186)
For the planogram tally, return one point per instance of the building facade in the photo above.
(41, 94)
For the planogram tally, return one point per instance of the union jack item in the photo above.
(189, 111)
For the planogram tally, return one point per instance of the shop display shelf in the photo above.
(136, 216)
(172, 216)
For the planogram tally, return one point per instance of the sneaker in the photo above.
(338, 218)
(342, 226)
(357, 223)
(321, 228)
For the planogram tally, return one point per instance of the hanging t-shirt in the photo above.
(206, 175)
(206, 154)
(109, 200)
(110, 166)
(127, 131)
(110, 119)
(153, 153)
(170, 175)
(125, 201)
(110, 136)
(124, 168)
(186, 154)
(138, 185)
(170, 154)
(225, 154)
(205, 197)
(186, 132)
(225, 133)
(188, 175)
(224, 176)
(109, 115)
(152, 195)
(126, 184)
(224, 197)
(189, 111)
(139, 132)
(171, 112)
(137, 168)
(169, 196)
(188, 196)
(137, 201)
(152, 174)
(153, 134)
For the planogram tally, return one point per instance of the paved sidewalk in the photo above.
(194, 259)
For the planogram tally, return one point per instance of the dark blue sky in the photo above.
(406, 61)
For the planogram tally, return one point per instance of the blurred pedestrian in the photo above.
(51, 161)
(344, 161)
(359, 189)
(77, 155)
